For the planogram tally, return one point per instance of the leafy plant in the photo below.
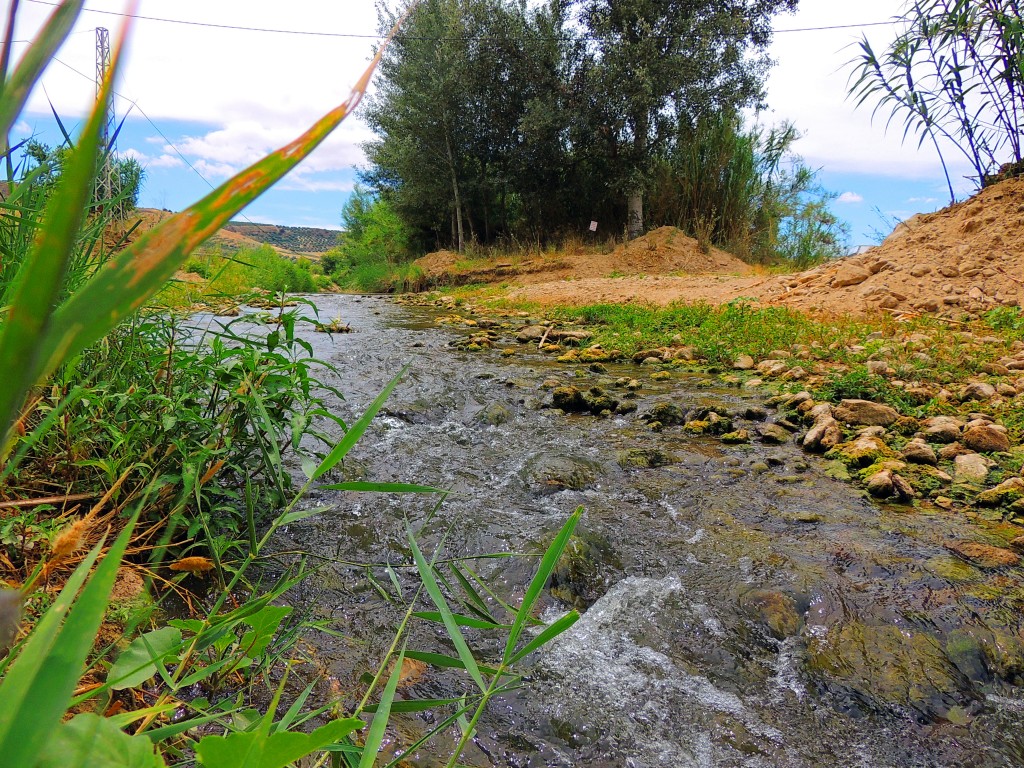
(954, 72)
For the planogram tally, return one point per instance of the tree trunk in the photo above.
(635, 214)
(455, 191)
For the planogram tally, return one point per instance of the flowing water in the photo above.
(742, 608)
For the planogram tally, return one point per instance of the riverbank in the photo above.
(917, 412)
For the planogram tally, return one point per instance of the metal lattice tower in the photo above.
(102, 65)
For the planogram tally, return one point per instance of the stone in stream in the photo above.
(1003, 494)
(550, 472)
(941, 429)
(667, 414)
(773, 434)
(983, 555)
(495, 414)
(585, 571)
(569, 399)
(645, 458)
(917, 451)
(892, 667)
(863, 451)
(774, 610)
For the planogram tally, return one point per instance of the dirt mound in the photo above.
(663, 251)
(667, 249)
(963, 259)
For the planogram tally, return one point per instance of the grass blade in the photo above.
(39, 683)
(375, 736)
(14, 92)
(430, 583)
(547, 566)
(551, 632)
(135, 274)
(40, 278)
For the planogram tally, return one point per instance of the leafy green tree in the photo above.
(954, 72)
(655, 63)
(119, 187)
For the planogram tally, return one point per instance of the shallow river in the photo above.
(743, 608)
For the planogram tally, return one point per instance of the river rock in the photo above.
(863, 451)
(772, 367)
(891, 666)
(774, 610)
(986, 438)
(983, 555)
(743, 363)
(978, 390)
(773, 434)
(549, 472)
(667, 414)
(825, 435)
(941, 429)
(1005, 493)
(951, 451)
(598, 401)
(971, 468)
(739, 437)
(888, 483)
(570, 399)
(645, 458)
(495, 414)
(585, 571)
(865, 413)
(917, 451)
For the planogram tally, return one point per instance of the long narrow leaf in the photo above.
(375, 736)
(544, 571)
(128, 279)
(14, 93)
(38, 685)
(552, 631)
(41, 276)
(454, 634)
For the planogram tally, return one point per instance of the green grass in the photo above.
(246, 270)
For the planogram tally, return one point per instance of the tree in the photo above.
(653, 63)
(118, 188)
(955, 72)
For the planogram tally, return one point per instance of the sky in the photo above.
(201, 101)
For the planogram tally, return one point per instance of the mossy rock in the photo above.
(667, 414)
(585, 571)
(495, 414)
(887, 667)
(774, 610)
(549, 472)
(645, 458)
(861, 452)
(569, 399)
(1004, 494)
(598, 401)
(739, 437)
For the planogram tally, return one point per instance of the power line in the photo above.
(358, 36)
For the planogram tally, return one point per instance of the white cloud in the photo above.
(215, 170)
(850, 197)
(164, 160)
(22, 127)
(923, 200)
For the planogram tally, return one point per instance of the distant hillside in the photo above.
(307, 240)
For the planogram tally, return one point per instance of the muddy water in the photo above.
(743, 608)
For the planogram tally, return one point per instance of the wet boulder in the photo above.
(645, 458)
(888, 484)
(585, 571)
(570, 399)
(773, 434)
(865, 413)
(667, 414)
(983, 555)
(773, 610)
(824, 435)
(887, 667)
(549, 472)
(495, 414)
(598, 401)
(863, 451)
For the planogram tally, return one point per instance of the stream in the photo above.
(740, 607)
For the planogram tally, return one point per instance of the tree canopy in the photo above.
(503, 119)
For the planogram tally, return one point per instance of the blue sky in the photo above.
(223, 97)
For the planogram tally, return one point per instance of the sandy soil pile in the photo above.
(965, 258)
(663, 251)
